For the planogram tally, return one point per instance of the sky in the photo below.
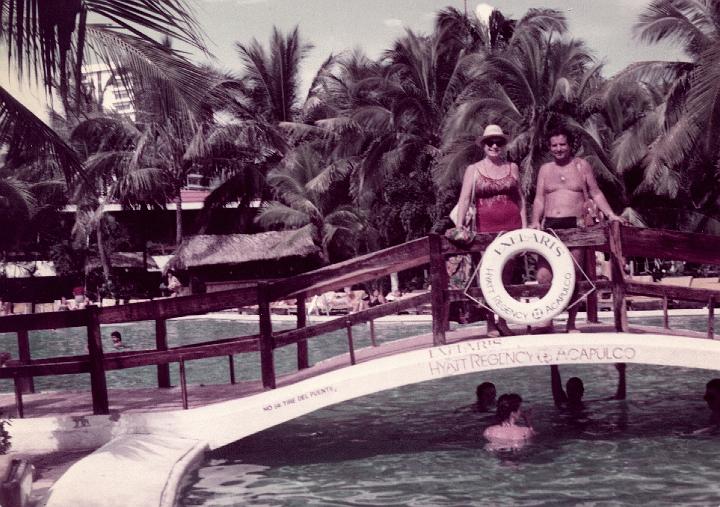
(333, 26)
(373, 25)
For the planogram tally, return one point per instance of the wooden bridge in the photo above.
(430, 252)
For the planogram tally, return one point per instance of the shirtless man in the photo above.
(559, 200)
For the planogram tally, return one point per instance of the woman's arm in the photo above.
(539, 203)
(523, 213)
(465, 192)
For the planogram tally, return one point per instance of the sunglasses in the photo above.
(499, 142)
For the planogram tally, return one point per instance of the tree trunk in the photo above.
(104, 261)
(178, 220)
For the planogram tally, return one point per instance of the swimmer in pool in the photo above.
(507, 434)
(712, 398)
(485, 394)
(574, 390)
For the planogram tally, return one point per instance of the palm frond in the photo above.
(680, 21)
(703, 99)
(27, 137)
(276, 213)
(157, 73)
(334, 172)
(40, 35)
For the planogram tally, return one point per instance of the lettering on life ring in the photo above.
(504, 248)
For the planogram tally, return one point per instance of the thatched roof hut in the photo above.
(126, 260)
(253, 255)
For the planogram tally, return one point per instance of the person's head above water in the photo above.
(712, 394)
(508, 407)
(485, 394)
(575, 390)
(116, 338)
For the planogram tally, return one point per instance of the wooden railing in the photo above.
(433, 250)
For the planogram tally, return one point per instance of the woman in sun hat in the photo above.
(498, 202)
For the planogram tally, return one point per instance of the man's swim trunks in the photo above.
(561, 222)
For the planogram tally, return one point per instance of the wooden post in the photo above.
(303, 360)
(98, 382)
(617, 264)
(18, 397)
(439, 283)
(666, 318)
(591, 304)
(231, 367)
(267, 362)
(351, 346)
(163, 370)
(711, 318)
(27, 384)
(372, 333)
(183, 384)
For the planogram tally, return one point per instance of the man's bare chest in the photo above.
(564, 179)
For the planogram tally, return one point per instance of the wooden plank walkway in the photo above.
(79, 403)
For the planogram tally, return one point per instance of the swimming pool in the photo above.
(417, 445)
(422, 445)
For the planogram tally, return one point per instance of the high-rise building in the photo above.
(108, 89)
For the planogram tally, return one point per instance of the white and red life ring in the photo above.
(504, 248)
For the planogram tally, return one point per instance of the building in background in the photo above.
(108, 89)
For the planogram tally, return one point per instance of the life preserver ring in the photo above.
(509, 244)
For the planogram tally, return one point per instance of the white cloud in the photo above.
(483, 11)
(393, 22)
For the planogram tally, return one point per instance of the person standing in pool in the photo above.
(712, 398)
(507, 433)
(559, 196)
(499, 204)
(572, 396)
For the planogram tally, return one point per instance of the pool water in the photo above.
(141, 336)
(422, 445)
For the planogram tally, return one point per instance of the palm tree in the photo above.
(685, 160)
(246, 137)
(307, 194)
(53, 39)
(105, 145)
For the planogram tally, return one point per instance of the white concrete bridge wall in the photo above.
(161, 447)
(227, 422)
